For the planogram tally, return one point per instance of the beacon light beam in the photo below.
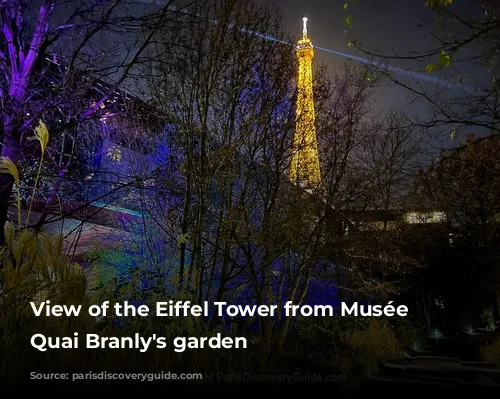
(416, 75)
(401, 71)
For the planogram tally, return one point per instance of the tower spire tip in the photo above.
(304, 29)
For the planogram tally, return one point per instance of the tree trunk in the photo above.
(6, 185)
(496, 311)
(11, 149)
(184, 232)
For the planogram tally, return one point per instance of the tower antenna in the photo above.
(304, 29)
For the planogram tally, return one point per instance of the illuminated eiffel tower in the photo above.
(304, 169)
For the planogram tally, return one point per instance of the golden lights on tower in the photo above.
(304, 169)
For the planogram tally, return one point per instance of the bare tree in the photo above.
(244, 231)
(465, 184)
(463, 60)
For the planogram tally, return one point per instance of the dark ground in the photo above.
(362, 389)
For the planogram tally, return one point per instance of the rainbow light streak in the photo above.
(117, 209)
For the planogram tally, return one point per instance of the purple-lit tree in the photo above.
(50, 59)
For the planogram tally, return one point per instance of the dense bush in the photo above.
(374, 343)
(408, 331)
(492, 352)
(36, 268)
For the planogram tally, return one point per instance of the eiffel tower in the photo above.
(305, 169)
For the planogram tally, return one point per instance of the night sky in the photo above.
(383, 27)
(389, 26)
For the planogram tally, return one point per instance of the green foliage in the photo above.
(444, 59)
(329, 329)
(34, 266)
(106, 262)
(358, 344)
(488, 319)
(407, 330)
(348, 21)
(437, 3)
(9, 167)
(41, 135)
(374, 343)
(492, 352)
(183, 239)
